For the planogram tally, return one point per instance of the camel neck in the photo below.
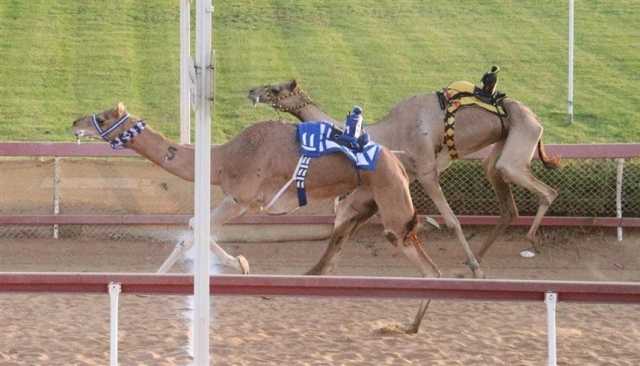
(376, 130)
(311, 112)
(174, 158)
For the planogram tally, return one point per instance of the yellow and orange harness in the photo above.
(462, 94)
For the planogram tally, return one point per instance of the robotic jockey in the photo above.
(490, 81)
(354, 136)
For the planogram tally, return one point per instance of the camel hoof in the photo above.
(412, 329)
(244, 264)
(395, 329)
(319, 270)
(476, 270)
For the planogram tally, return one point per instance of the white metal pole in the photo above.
(550, 299)
(570, 81)
(185, 64)
(202, 194)
(114, 293)
(619, 176)
(56, 194)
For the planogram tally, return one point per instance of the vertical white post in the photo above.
(570, 76)
(202, 194)
(114, 293)
(550, 299)
(619, 176)
(185, 64)
(56, 193)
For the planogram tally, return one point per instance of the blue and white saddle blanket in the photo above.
(322, 138)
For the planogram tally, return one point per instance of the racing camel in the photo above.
(416, 127)
(253, 167)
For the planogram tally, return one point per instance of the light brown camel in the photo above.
(258, 162)
(416, 127)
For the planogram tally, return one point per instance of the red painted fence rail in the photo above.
(64, 219)
(334, 286)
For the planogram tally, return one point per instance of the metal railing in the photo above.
(377, 287)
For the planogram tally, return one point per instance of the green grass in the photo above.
(65, 58)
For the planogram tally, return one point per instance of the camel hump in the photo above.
(461, 87)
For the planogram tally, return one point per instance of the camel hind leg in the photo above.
(513, 167)
(506, 203)
(351, 213)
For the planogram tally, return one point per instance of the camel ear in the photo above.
(294, 84)
(120, 110)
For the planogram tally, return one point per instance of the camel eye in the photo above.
(100, 120)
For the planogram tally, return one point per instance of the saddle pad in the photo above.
(461, 94)
(315, 141)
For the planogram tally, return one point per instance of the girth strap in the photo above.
(301, 174)
(451, 100)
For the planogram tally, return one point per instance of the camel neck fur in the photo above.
(175, 158)
(311, 112)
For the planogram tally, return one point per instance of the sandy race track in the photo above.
(57, 329)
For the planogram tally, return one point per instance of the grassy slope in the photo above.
(64, 58)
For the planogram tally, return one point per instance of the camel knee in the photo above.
(489, 167)
(508, 215)
(409, 231)
(392, 237)
(506, 171)
(548, 196)
(452, 222)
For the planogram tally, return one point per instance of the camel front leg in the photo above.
(422, 260)
(181, 247)
(413, 250)
(228, 209)
(431, 185)
(351, 213)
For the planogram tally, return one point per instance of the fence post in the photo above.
(56, 193)
(185, 65)
(114, 292)
(570, 71)
(619, 176)
(550, 299)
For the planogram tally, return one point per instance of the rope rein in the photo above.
(276, 100)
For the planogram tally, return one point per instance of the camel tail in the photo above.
(550, 162)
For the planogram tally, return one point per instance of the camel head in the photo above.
(112, 125)
(85, 127)
(287, 96)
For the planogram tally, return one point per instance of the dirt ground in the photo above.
(57, 329)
